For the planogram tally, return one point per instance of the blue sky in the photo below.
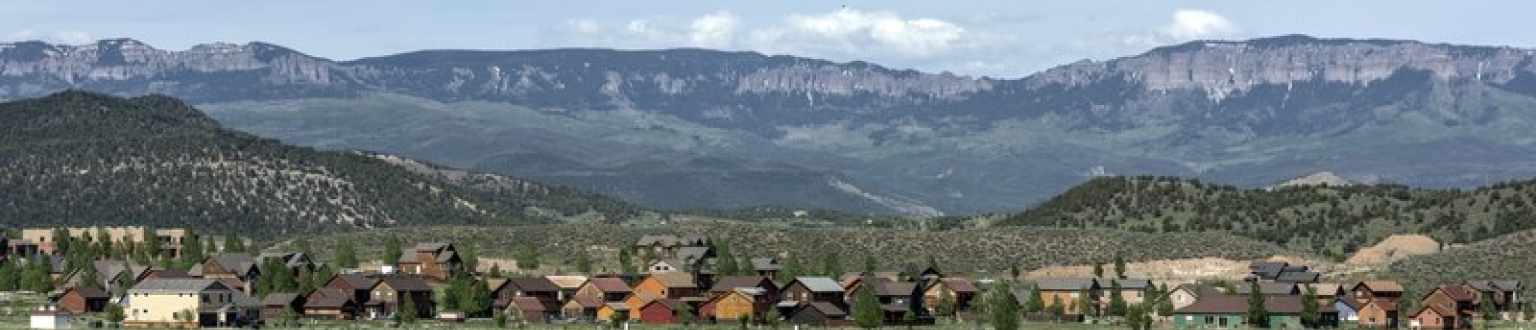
(993, 38)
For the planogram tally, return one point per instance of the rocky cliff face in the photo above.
(640, 124)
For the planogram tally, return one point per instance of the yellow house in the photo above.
(187, 302)
(605, 313)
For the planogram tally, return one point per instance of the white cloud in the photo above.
(853, 31)
(584, 26)
(1192, 24)
(717, 30)
(58, 37)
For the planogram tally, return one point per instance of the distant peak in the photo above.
(1322, 179)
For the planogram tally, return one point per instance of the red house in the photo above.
(660, 311)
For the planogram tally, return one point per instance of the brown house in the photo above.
(331, 303)
(959, 289)
(821, 314)
(278, 304)
(528, 309)
(84, 299)
(731, 283)
(813, 289)
(435, 261)
(1379, 313)
(1448, 306)
(581, 308)
(388, 296)
(1068, 291)
(668, 285)
(357, 286)
(768, 267)
(1504, 293)
(1367, 290)
(604, 289)
(748, 302)
(538, 288)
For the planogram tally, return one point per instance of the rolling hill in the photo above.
(81, 158)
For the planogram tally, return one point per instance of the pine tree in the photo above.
(1035, 303)
(1119, 265)
(583, 263)
(1309, 311)
(391, 250)
(1257, 316)
(527, 258)
(233, 243)
(831, 266)
(1014, 270)
(792, 269)
(115, 313)
(346, 256)
(1098, 270)
(471, 258)
(1058, 308)
(866, 308)
(626, 262)
(1164, 302)
(1005, 310)
(1133, 316)
(1487, 311)
(683, 314)
(480, 298)
(1117, 305)
(1085, 304)
(453, 295)
(870, 264)
(725, 262)
(407, 310)
(772, 318)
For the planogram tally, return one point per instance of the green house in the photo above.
(1221, 311)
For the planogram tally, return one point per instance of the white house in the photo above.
(50, 317)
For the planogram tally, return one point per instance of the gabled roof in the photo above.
(328, 298)
(959, 285)
(617, 306)
(671, 304)
(357, 281)
(1496, 285)
(528, 304)
(175, 285)
(1327, 289)
(1380, 286)
(586, 302)
(1065, 284)
(430, 246)
(818, 284)
(404, 283)
(533, 284)
(610, 284)
(675, 280)
(895, 289)
(237, 262)
(567, 282)
(1455, 292)
(729, 283)
(89, 292)
(1268, 288)
(1298, 277)
(1239, 305)
(1384, 304)
(826, 308)
(766, 264)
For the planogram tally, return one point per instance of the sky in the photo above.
(1000, 39)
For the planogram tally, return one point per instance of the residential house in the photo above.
(332, 303)
(661, 311)
(528, 309)
(668, 285)
(84, 299)
(538, 288)
(814, 289)
(1269, 289)
(1504, 293)
(298, 263)
(109, 274)
(1186, 294)
(21, 248)
(961, 293)
(1447, 306)
(357, 286)
(768, 267)
(237, 270)
(731, 283)
(741, 302)
(604, 289)
(1326, 292)
(1132, 290)
(568, 284)
(156, 302)
(1267, 270)
(666, 246)
(436, 261)
(609, 310)
(820, 314)
(1067, 291)
(581, 308)
(1219, 311)
(277, 305)
(1298, 277)
(1348, 310)
(389, 294)
(1378, 313)
(1366, 291)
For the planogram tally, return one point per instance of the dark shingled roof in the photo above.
(534, 284)
(610, 284)
(279, 299)
(357, 281)
(1064, 284)
(827, 309)
(1239, 305)
(959, 284)
(406, 283)
(729, 283)
(89, 292)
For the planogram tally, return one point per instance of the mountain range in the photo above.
(687, 128)
(79, 159)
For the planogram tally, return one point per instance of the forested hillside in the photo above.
(79, 158)
(1333, 220)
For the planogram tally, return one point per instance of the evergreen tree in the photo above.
(1098, 270)
(1257, 316)
(191, 253)
(866, 308)
(870, 264)
(346, 256)
(407, 309)
(792, 269)
(583, 263)
(501, 320)
(831, 266)
(1035, 303)
(725, 262)
(618, 319)
(1058, 308)
(772, 318)
(1117, 305)
(496, 270)
(391, 250)
(1309, 311)
(1164, 302)
(471, 258)
(1005, 310)
(61, 240)
(10, 276)
(626, 262)
(453, 295)
(527, 258)
(1487, 311)
(1014, 270)
(1085, 304)
(683, 314)
(908, 318)
(1119, 265)
(480, 298)
(233, 243)
(1133, 316)
(209, 247)
(932, 262)
(115, 313)
(89, 277)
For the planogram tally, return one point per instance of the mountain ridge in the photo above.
(1248, 112)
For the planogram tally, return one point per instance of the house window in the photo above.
(1074, 295)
